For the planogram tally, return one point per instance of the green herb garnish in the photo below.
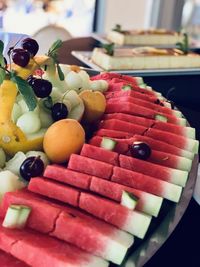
(109, 48)
(25, 90)
(184, 45)
(53, 53)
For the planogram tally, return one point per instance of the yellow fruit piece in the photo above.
(95, 105)
(12, 139)
(63, 138)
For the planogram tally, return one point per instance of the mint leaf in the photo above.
(53, 50)
(26, 91)
(1, 47)
(109, 48)
(60, 73)
(2, 75)
(184, 45)
(48, 102)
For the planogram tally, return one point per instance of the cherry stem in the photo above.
(32, 164)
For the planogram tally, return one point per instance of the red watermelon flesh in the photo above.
(122, 126)
(40, 250)
(102, 231)
(173, 139)
(112, 133)
(154, 170)
(130, 118)
(134, 109)
(106, 76)
(131, 93)
(143, 103)
(8, 260)
(90, 166)
(176, 129)
(148, 203)
(169, 160)
(115, 214)
(161, 146)
(122, 145)
(64, 175)
(43, 214)
(100, 154)
(54, 190)
(147, 183)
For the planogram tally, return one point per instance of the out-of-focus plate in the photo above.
(85, 57)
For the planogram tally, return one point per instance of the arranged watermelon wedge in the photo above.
(147, 203)
(130, 118)
(97, 237)
(171, 175)
(113, 133)
(133, 222)
(90, 166)
(147, 183)
(144, 103)
(55, 190)
(64, 175)
(120, 214)
(137, 110)
(178, 141)
(8, 260)
(122, 126)
(40, 250)
(162, 146)
(100, 154)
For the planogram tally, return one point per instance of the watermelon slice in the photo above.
(162, 146)
(122, 126)
(147, 183)
(130, 118)
(147, 203)
(144, 103)
(40, 250)
(188, 132)
(178, 141)
(134, 109)
(170, 175)
(64, 175)
(90, 166)
(113, 133)
(100, 154)
(54, 190)
(135, 94)
(133, 222)
(97, 237)
(8, 260)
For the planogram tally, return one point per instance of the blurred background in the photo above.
(81, 17)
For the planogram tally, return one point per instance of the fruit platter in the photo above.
(90, 166)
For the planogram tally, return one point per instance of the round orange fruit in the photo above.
(63, 138)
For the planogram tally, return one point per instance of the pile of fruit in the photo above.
(70, 200)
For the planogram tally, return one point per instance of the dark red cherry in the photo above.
(20, 57)
(31, 167)
(42, 88)
(140, 150)
(59, 111)
(31, 46)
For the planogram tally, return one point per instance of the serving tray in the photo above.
(85, 57)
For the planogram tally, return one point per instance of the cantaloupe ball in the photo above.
(95, 105)
(63, 138)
